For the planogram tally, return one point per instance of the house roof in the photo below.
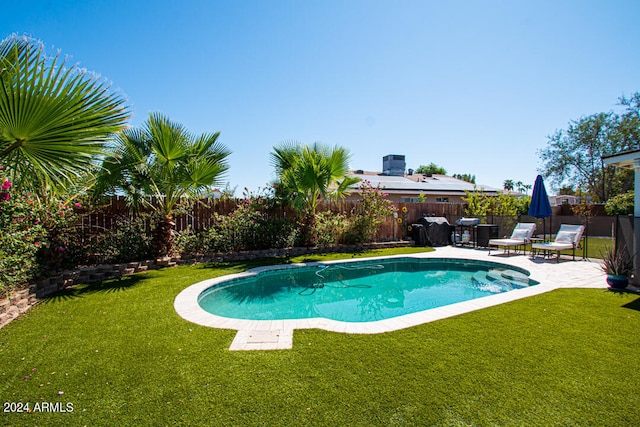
(419, 183)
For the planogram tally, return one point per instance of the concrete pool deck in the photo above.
(278, 334)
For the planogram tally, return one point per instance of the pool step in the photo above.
(509, 275)
(504, 277)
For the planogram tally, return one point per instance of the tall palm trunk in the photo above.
(309, 235)
(163, 237)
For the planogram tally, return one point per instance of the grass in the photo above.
(596, 246)
(122, 356)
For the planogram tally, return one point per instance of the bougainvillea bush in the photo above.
(36, 236)
(371, 211)
(21, 237)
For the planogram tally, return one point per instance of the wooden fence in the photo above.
(200, 216)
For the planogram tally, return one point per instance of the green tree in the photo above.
(465, 177)
(478, 203)
(573, 157)
(566, 191)
(629, 126)
(508, 205)
(522, 187)
(508, 185)
(163, 160)
(306, 174)
(432, 169)
(54, 119)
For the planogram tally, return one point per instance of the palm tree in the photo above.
(307, 174)
(162, 160)
(54, 119)
(508, 185)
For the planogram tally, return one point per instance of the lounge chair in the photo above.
(568, 237)
(519, 237)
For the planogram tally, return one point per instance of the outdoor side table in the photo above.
(531, 242)
(484, 233)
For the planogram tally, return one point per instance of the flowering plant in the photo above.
(35, 235)
(330, 227)
(21, 236)
(370, 212)
(6, 185)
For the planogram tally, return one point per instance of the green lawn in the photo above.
(122, 356)
(595, 246)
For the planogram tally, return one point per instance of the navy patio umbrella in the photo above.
(540, 206)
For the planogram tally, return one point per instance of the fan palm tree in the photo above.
(54, 119)
(162, 160)
(307, 174)
(508, 185)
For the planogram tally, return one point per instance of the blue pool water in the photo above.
(359, 291)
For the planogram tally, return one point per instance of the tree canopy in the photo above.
(465, 177)
(432, 169)
(573, 156)
(308, 173)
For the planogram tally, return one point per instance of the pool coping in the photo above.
(278, 334)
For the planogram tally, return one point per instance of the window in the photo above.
(442, 200)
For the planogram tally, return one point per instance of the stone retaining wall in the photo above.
(19, 301)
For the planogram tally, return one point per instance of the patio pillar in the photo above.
(636, 221)
(636, 188)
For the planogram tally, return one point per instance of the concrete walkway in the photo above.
(278, 334)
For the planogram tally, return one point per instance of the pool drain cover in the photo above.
(257, 337)
(272, 339)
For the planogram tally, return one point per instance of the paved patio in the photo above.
(278, 334)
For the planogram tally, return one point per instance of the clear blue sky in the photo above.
(473, 86)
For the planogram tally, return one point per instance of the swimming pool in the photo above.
(359, 291)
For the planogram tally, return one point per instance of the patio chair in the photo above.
(520, 236)
(568, 237)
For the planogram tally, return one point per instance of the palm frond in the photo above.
(163, 160)
(54, 120)
(308, 173)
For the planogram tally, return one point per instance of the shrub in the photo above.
(37, 237)
(22, 236)
(188, 242)
(249, 227)
(368, 214)
(622, 204)
(479, 205)
(508, 205)
(62, 248)
(128, 240)
(330, 227)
